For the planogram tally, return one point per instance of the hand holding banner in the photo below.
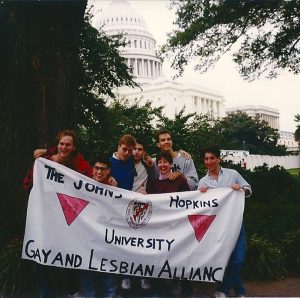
(76, 222)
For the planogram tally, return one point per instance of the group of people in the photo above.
(132, 169)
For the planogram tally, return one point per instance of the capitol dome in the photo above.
(139, 51)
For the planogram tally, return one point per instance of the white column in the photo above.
(136, 66)
(142, 66)
(206, 106)
(149, 68)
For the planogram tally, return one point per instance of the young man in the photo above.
(122, 164)
(218, 177)
(143, 166)
(181, 165)
(142, 170)
(65, 153)
(89, 279)
(123, 170)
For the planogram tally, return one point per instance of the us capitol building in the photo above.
(141, 57)
(146, 66)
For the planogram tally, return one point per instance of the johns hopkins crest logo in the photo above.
(138, 213)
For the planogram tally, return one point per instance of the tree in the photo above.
(102, 70)
(180, 127)
(38, 89)
(53, 67)
(266, 33)
(121, 118)
(240, 131)
(297, 131)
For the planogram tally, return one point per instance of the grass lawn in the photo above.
(295, 172)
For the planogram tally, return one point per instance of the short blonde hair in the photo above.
(127, 140)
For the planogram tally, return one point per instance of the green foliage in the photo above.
(274, 206)
(103, 125)
(291, 245)
(294, 172)
(264, 261)
(102, 70)
(102, 67)
(54, 68)
(119, 118)
(265, 33)
(271, 220)
(16, 274)
(240, 131)
(180, 128)
(297, 132)
(268, 184)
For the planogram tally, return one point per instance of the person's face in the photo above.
(164, 166)
(138, 152)
(65, 147)
(124, 151)
(165, 142)
(100, 171)
(211, 161)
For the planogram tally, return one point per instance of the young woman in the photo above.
(163, 184)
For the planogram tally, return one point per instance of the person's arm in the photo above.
(41, 152)
(28, 180)
(147, 160)
(112, 181)
(241, 183)
(174, 175)
(191, 174)
(184, 154)
(202, 187)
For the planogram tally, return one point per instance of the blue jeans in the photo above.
(232, 277)
(46, 288)
(90, 280)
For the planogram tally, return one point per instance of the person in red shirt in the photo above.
(65, 153)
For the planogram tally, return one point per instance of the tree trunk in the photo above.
(38, 85)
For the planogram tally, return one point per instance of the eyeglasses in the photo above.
(100, 168)
(125, 149)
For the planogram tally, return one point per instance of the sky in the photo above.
(282, 93)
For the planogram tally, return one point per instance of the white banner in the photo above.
(75, 222)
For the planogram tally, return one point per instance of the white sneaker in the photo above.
(145, 284)
(220, 295)
(126, 284)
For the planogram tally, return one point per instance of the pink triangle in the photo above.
(71, 206)
(201, 223)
